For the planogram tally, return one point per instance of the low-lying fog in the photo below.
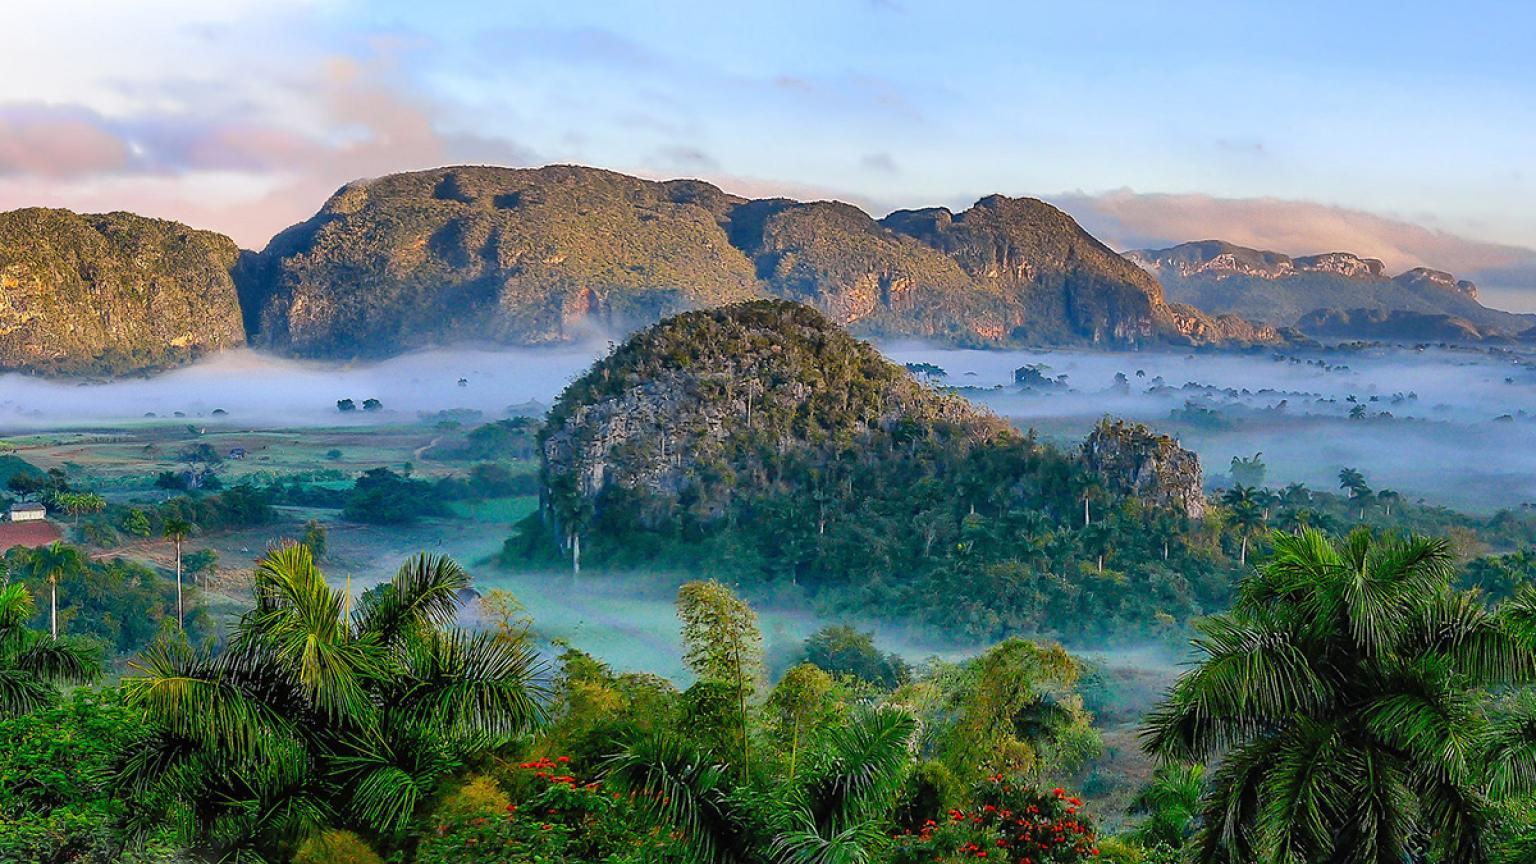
(1453, 427)
(261, 390)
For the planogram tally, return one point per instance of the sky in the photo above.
(1400, 130)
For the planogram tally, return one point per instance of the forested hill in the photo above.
(112, 293)
(528, 256)
(763, 442)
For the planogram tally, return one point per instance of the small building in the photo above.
(28, 513)
(237, 454)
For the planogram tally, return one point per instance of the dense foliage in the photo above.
(1346, 699)
(317, 714)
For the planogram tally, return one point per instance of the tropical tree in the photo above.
(836, 812)
(177, 530)
(316, 717)
(1353, 482)
(723, 645)
(1171, 804)
(33, 665)
(1340, 697)
(50, 564)
(1245, 515)
(76, 503)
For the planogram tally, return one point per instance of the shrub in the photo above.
(336, 847)
(479, 796)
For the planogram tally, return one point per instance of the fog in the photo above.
(261, 390)
(1454, 427)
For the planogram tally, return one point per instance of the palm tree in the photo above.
(1171, 803)
(33, 665)
(314, 717)
(177, 530)
(835, 813)
(1245, 516)
(50, 564)
(1353, 482)
(1339, 698)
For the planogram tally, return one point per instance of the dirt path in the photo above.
(417, 453)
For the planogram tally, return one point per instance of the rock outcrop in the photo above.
(1134, 460)
(113, 293)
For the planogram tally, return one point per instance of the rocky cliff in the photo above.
(1223, 278)
(540, 255)
(1134, 460)
(685, 412)
(113, 293)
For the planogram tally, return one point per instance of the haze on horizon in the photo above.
(1396, 131)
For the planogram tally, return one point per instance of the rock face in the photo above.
(1134, 460)
(684, 409)
(500, 255)
(1222, 278)
(113, 293)
(528, 256)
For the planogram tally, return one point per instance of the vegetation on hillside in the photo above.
(112, 294)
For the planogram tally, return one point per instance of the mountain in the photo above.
(529, 256)
(112, 293)
(767, 420)
(1285, 291)
(686, 410)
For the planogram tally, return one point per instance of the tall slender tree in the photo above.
(722, 644)
(52, 563)
(177, 530)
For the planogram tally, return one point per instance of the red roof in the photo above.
(32, 534)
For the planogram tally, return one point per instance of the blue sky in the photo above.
(1402, 130)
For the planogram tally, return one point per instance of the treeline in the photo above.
(1011, 538)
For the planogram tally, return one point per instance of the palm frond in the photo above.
(472, 684)
(680, 786)
(423, 593)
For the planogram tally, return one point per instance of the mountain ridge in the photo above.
(1307, 290)
(534, 255)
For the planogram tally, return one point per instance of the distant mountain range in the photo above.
(545, 255)
(529, 256)
(1333, 295)
(534, 256)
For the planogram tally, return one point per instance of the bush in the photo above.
(336, 847)
(479, 796)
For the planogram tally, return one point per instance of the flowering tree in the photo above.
(1012, 822)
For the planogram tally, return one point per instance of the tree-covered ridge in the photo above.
(761, 441)
(112, 293)
(540, 255)
(497, 254)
